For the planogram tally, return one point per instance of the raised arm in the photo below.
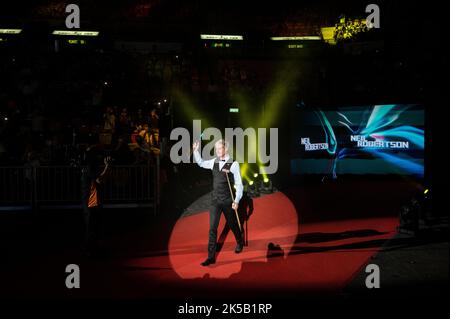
(101, 177)
(208, 164)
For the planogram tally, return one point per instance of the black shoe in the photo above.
(239, 247)
(208, 262)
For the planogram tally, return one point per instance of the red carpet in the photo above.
(274, 219)
(317, 256)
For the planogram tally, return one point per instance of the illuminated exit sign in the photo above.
(76, 41)
(234, 110)
(220, 45)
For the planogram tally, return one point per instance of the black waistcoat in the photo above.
(221, 190)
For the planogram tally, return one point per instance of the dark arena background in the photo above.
(343, 203)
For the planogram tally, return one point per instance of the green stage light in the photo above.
(255, 175)
(188, 107)
(250, 183)
(244, 171)
(253, 189)
(426, 191)
(266, 187)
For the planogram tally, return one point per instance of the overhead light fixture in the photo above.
(76, 33)
(296, 38)
(220, 37)
(10, 31)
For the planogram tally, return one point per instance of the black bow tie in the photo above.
(222, 160)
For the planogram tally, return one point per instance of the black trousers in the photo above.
(93, 227)
(217, 208)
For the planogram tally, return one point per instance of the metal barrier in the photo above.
(130, 183)
(60, 186)
(16, 184)
(57, 184)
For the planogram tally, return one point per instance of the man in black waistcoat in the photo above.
(221, 195)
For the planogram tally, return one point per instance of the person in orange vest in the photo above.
(93, 179)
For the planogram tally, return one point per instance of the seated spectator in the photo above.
(110, 120)
(154, 132)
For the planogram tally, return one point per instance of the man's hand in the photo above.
(235, 205)
(107, 160)
(195, 146)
